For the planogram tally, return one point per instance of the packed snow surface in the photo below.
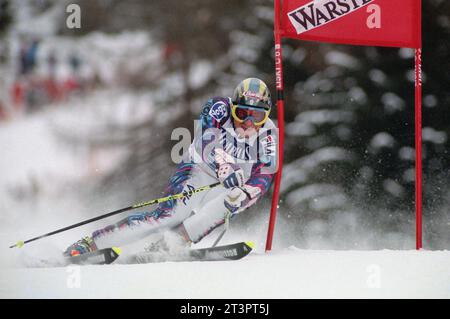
(287, 273)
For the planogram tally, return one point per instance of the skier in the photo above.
(235, 145)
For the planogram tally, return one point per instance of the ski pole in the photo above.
(20, 243)
(225, 228)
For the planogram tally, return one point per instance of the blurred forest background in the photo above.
(110, 94)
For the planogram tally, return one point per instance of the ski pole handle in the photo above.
(21, 243)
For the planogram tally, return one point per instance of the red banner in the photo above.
(393, 23)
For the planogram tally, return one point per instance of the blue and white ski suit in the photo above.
(204, 211)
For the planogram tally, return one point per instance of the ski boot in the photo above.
(84, 245)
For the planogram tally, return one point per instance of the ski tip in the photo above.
(117, 250)
(250, 244)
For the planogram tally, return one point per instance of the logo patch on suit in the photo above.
(218, 111)
(188, 196)
(269, 145)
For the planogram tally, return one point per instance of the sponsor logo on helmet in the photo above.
(218, 111)
(253, 95)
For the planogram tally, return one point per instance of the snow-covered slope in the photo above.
(289, 273)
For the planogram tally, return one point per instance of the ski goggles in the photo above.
(242, 113)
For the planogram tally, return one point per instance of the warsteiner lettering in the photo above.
(318, 13)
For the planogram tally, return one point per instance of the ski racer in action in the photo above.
(235, 144)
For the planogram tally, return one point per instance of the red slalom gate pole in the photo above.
(418, 130)
(418, 142)
(280, 112)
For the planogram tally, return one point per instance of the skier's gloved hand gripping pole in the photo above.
(20, 244)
